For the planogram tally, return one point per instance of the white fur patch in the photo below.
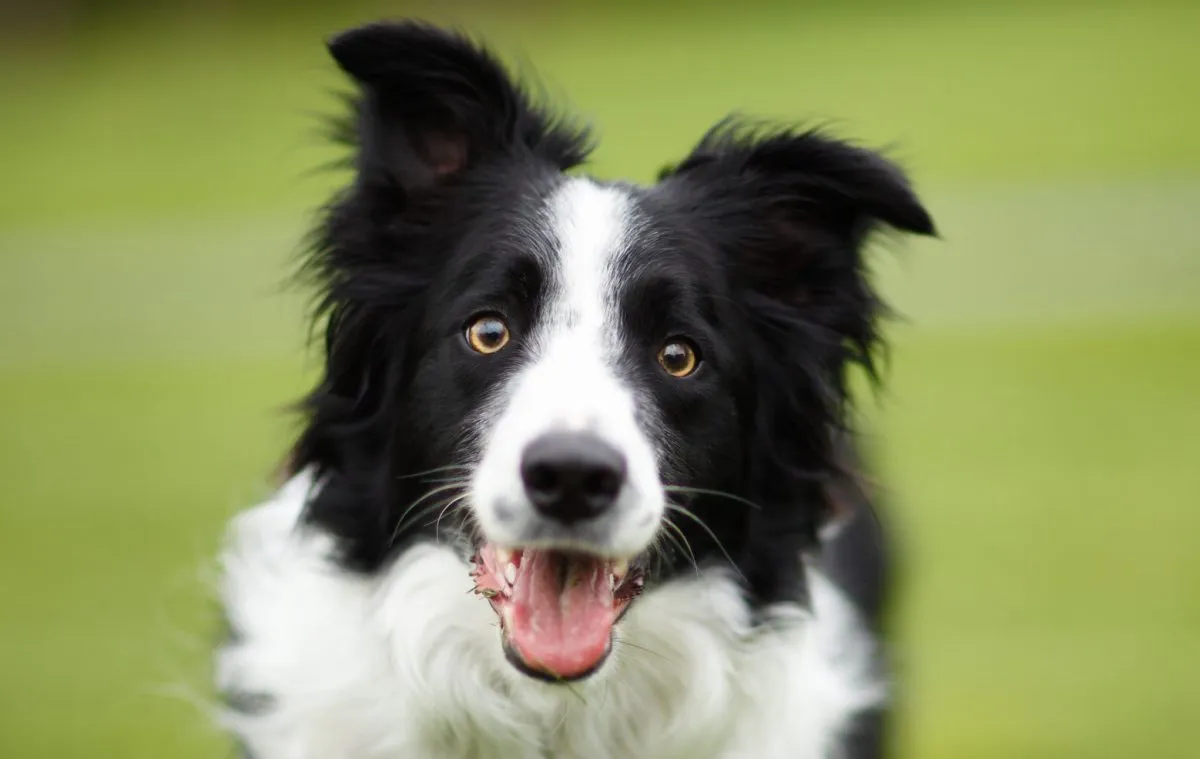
(570, 382)
(407, 663)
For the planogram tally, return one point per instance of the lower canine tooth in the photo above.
(510, 574)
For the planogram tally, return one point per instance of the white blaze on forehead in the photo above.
(577, 341)
(590, 224)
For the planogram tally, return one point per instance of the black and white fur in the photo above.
(354, 634)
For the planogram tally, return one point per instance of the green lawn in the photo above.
(1039, 435)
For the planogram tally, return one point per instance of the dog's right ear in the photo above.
(433, 104)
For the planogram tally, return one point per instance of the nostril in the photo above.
(541, 478)
(572, 476)
(602, 481)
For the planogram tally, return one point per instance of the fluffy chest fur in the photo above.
(331, 665)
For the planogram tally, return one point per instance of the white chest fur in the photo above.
(408, 664)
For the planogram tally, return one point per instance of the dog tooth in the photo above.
(510, 573)
(620, 568)
(503, 556)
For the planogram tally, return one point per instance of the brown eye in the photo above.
(487, 334)
(679, 358)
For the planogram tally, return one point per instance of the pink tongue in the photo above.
(562, 617)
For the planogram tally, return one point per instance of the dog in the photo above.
(574, 481)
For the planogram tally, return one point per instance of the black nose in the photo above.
(571, 476)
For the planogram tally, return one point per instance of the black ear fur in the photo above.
(799, 207)
(812, 168)
(434, 104)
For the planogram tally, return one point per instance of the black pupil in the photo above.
(675, 356)
(490, 332)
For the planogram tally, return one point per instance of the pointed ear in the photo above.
(433, 105)
(811, 167)
(794, 210)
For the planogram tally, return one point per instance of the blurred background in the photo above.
(1038, 439)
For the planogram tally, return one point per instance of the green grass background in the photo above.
(1038, 437)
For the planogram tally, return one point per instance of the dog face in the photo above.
(586, 387)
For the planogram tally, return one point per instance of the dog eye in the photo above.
(679, 357)
(487, 334)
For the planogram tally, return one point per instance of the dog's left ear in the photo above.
(816, 198)
(793, 211)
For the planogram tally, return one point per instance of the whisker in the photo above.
(437, 524)
(653, 665)
(429, 494)
(662, 656)
(657, 551)
(435, 470)
(687, 513)
(681, 543)
(446, 480)
(401, 520)
(417, 515)
(706, 491)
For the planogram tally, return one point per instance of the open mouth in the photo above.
(557, 608)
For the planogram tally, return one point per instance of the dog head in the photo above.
(586, 387)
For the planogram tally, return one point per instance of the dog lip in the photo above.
(525, 668)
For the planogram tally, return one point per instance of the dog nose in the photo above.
(572, 476)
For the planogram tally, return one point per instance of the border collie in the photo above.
(561, 487)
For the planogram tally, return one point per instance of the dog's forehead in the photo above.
(607, 234)
(592, 240)
(591, 225)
